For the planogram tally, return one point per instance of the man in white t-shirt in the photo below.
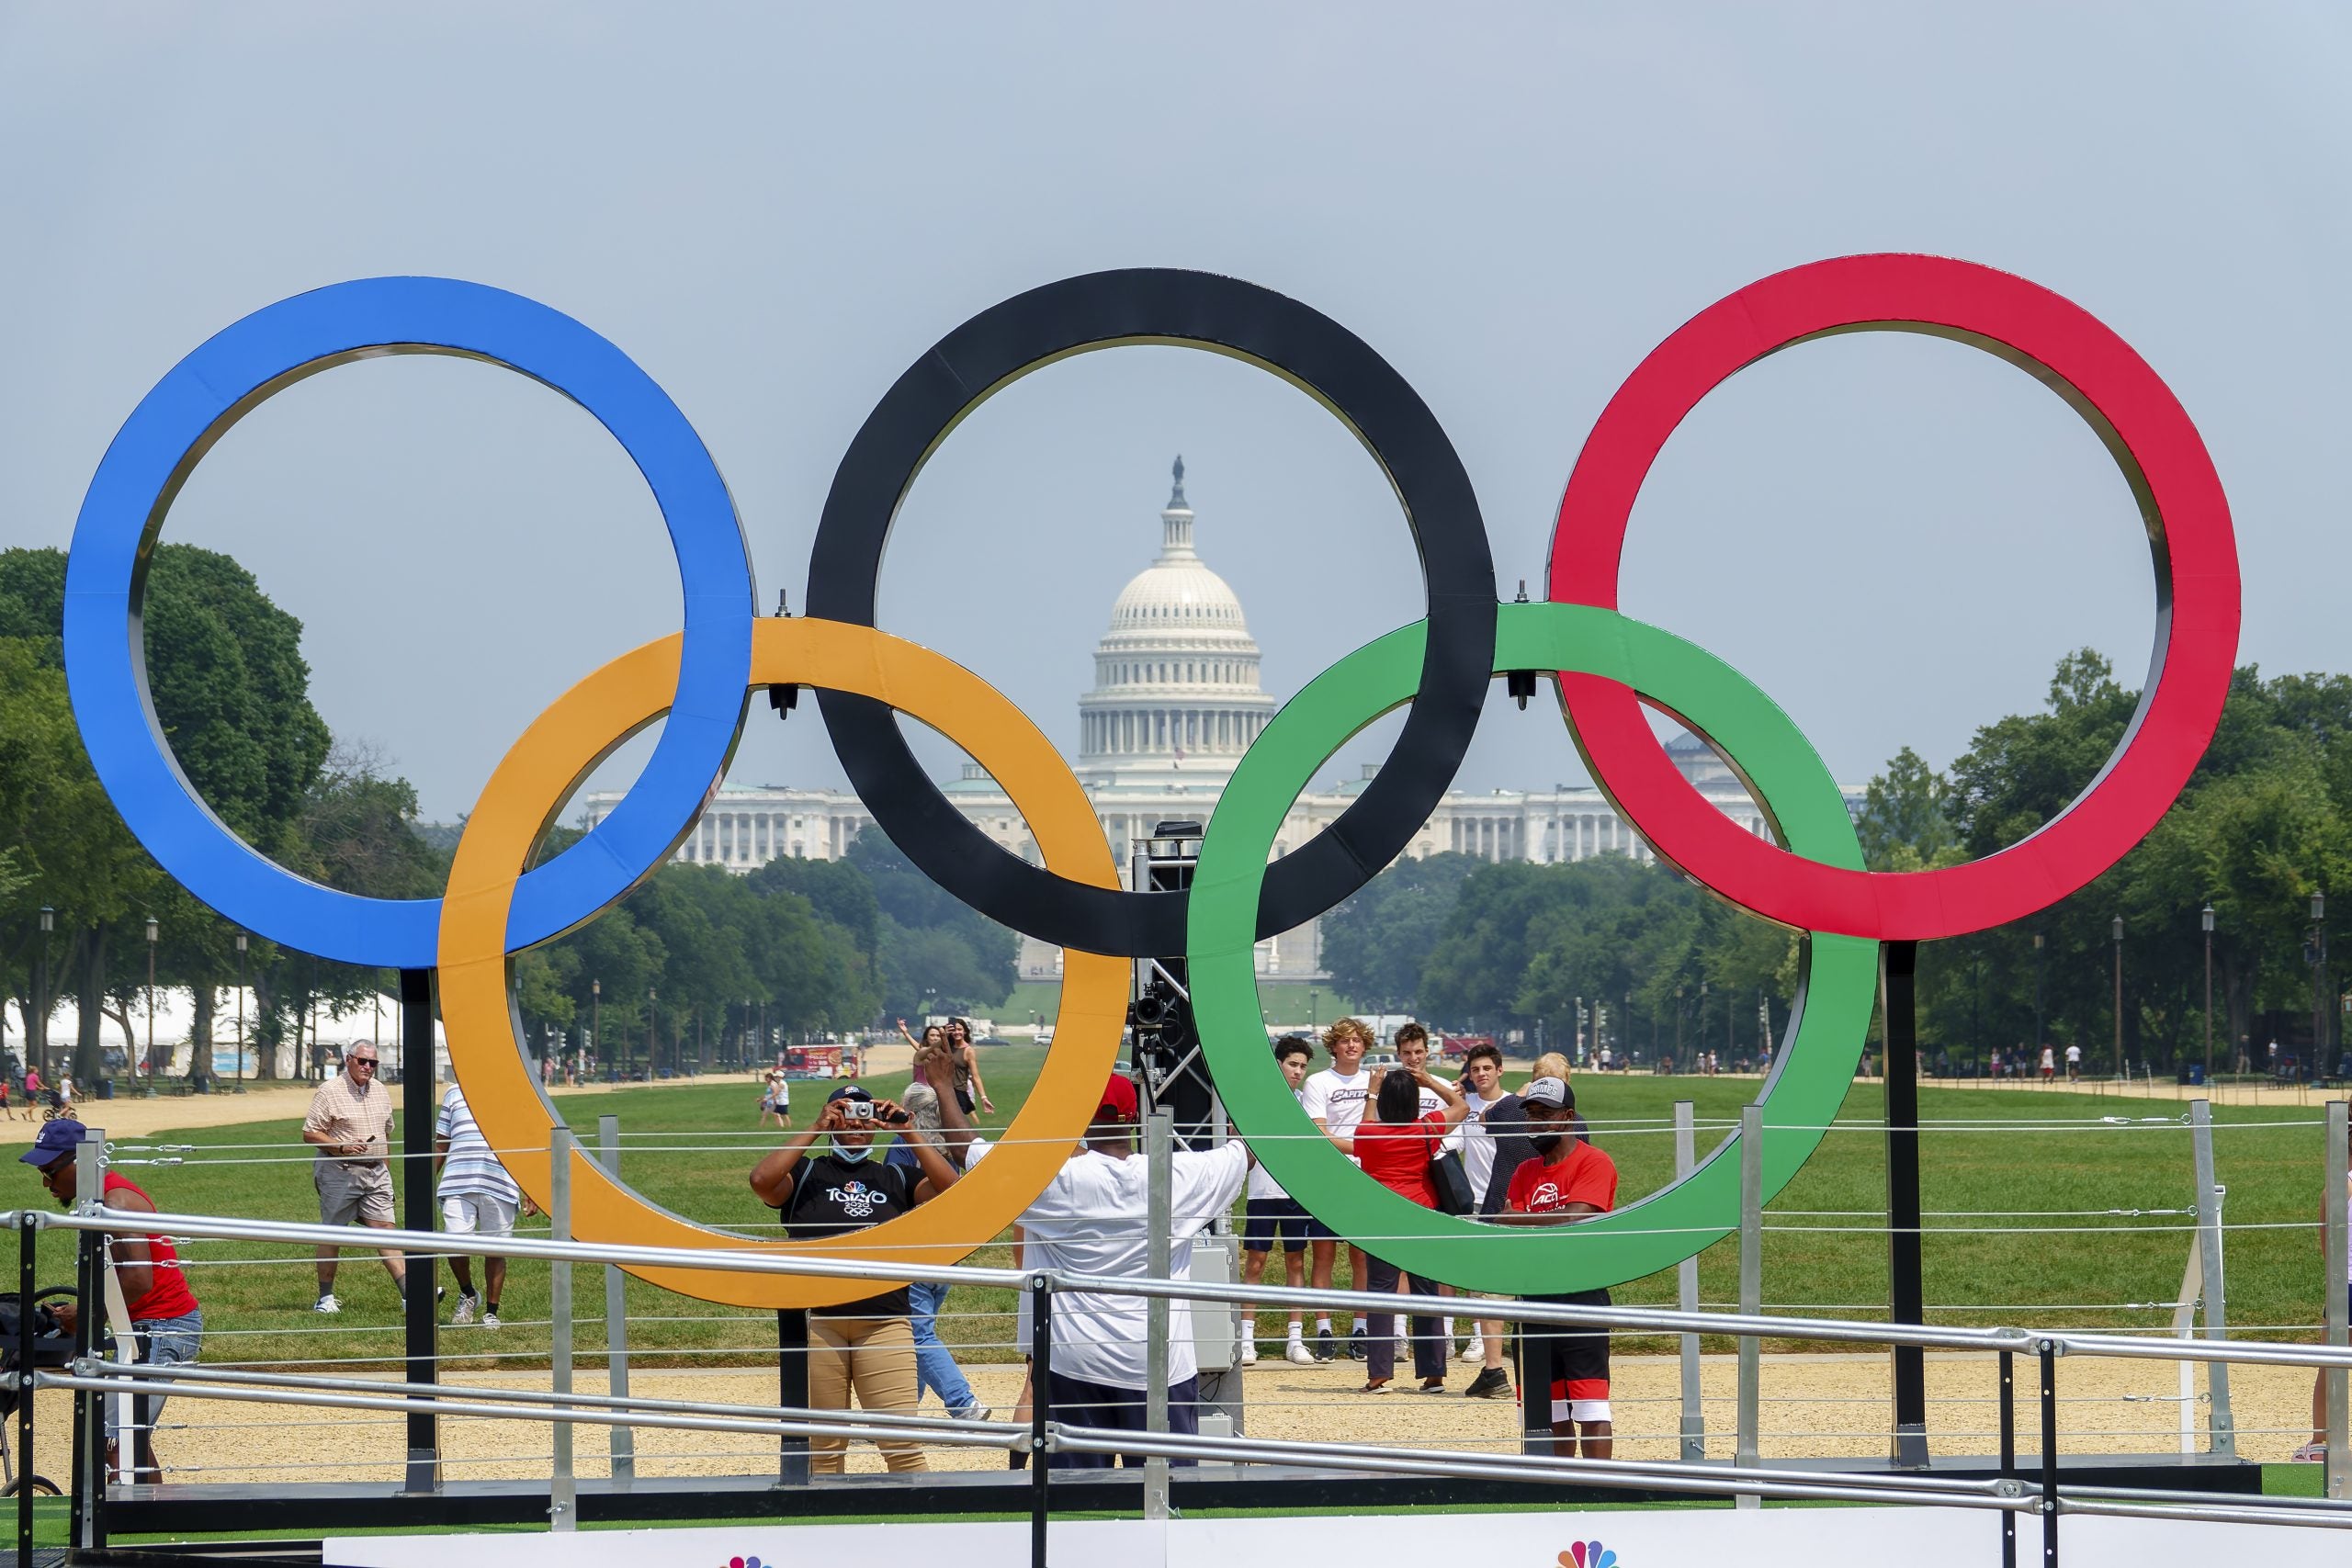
(1335, 1098)
(2074, 1064)
(1094, 1218)
(2049, 1064)
(1271, 1214)
(1482, 1083)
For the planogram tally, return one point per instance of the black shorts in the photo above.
(1579, 1358)
(1264, 1218)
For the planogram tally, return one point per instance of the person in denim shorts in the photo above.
(164, 1319)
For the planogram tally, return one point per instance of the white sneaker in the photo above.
(327, 1303)
(1476, 1350)
(490, 1320)
(1248, 1352)
(1298, 1355)
(465, 1313)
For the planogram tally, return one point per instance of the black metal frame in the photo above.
(421, 1321)
(1907, 1288)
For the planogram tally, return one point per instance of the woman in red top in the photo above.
(164, 1319)
(1394, 1145)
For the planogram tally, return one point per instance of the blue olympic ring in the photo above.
(241, 367)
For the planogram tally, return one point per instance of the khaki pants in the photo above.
(875, 1357)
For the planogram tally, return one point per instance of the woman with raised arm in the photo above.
(1394, 1146)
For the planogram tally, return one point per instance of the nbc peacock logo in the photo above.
(1587, 1554)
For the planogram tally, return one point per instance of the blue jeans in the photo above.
(936, 1370)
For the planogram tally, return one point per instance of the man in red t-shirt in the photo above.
(165, 1323)
(1568, 1181)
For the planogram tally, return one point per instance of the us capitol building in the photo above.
(1175, 702)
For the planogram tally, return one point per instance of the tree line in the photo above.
(2265, 823)
(690, 962)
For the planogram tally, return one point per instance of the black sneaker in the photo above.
(1356, 1352)
(1324, 1350)
(1493, 1382)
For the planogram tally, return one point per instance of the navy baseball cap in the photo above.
(847, 1091)
(53, 1142)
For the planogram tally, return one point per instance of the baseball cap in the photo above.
(848, 1091)
(53, 1142)
(1119, 1099)
(1544, 1092)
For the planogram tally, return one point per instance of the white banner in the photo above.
(1570, 1538)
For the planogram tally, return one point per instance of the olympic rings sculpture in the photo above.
(1605, 665)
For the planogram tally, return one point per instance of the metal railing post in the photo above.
(1041, 1368)
(1158, 1145)
(2339, 1281)
(1751, 1287)
(623, 1438)
(89, 1409)
(563, 1497)
(27, 1248)
(1694, 1418)
(2008, 1453)
(2221, 1422)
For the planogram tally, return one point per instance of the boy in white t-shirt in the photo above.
(1272, 1214)
(1335, 1098)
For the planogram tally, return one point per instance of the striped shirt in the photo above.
(469, 1168)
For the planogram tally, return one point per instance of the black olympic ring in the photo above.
(1193, 309)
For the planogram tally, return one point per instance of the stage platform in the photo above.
(344, 1509)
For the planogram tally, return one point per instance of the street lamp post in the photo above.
(2206, 919)
(40, 998)
(241, 1006)
(153, 930)
(2319, 978)
(2119, 1072)
(652, 1001)
(1314, 1008)
(595, 1018)
(2039, 1040)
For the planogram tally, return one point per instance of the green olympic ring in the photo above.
(1836, 991)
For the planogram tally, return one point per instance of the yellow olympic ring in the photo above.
(559, 749)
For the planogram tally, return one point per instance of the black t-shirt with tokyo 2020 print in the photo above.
(831, 1195)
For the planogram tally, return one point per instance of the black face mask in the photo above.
(1545, 1143)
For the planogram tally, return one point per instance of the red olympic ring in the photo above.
(2143, 427)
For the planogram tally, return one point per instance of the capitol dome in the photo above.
(1176, 695)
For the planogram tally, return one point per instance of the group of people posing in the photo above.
(1523, 1160)
(1518, 1158)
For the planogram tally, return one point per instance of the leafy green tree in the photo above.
(1375, 943)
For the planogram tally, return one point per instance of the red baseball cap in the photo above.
(1119, 1100)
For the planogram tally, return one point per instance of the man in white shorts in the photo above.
(478, 1198)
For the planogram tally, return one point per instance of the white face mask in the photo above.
(848, 1152)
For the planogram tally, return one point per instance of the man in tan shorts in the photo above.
(350, 1123)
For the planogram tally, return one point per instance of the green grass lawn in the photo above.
(689, 1148)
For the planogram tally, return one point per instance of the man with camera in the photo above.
(866, 1346)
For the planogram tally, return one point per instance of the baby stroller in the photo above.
(52, 1347)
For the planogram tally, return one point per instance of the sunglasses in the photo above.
(363, 1061)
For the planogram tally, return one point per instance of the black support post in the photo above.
(27, 1248)
(2008, 1454)
(1041, 1399)
(1898, 974)
(2049, 1355)
(89, 1485)
(417, 1110)
(792, 1391)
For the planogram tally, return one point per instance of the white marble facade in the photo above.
(1175, 703)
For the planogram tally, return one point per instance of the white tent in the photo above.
(375, 1018)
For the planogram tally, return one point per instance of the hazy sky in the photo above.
(774, 211)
